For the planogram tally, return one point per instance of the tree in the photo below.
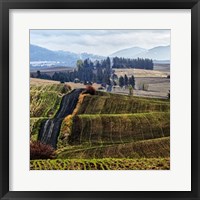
(94, 78)
(99, 75)
(132, 81)
(38, 74)
(121, 81)
(79, 64)
(125, 80)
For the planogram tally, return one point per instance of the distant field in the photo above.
(141, 72)
(157, 85)
(102, 164)
(37, 81)
(50, 71)
(162, 67)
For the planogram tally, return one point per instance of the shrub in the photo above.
(89, 90)
(39, 150)
(65, 88)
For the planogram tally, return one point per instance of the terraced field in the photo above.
(105, 131)
(154, 148)
(45, 100)
(102, 164)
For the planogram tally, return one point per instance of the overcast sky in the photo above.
(99, 42)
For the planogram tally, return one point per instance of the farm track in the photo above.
(50, 128)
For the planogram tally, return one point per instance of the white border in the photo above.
(178, 178)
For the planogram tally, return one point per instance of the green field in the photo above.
(154, 148)
(45, 99)
(102, 164)
(44, 103)
(105, 131)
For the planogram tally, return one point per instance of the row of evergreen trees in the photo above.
(125, 81)
(138, 63)
(86, 71)
(98, 71)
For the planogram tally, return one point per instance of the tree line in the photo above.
(138, 63)
(98, 71)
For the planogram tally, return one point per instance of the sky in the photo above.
(99, 42)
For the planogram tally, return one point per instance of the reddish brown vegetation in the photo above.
(39, 150)
(89, 90)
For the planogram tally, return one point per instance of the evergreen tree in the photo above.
(38, 74)
(121, 81)
(132, 81)
(125, 80)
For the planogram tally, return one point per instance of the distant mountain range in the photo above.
(157, 53)
(42, 57)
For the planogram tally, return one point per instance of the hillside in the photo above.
(42, 57)
(105, 131)
(129, 52)
(45, 100)
(115, 135)
(157, 53)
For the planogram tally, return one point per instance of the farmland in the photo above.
(156, 82)
(45, 100)
(105, 130)
(102, 164)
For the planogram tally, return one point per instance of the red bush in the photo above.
(89, 90)
(39, 150)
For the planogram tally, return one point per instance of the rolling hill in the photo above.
(105, 131)
(40, 56)
(159, 53)
(44, 58)
(129, 52)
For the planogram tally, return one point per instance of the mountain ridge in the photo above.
(43, 57)
(155, 53)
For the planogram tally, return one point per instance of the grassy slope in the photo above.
(121, 120)
(105, 103)
(146, 149)
(108, 118)
(45, 99)
(119, 128)
(44, 103)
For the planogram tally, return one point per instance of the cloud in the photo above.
(100, 42)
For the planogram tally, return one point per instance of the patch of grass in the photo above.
(35, 124)
(45, 99)
(120, 105)
(102, 164)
